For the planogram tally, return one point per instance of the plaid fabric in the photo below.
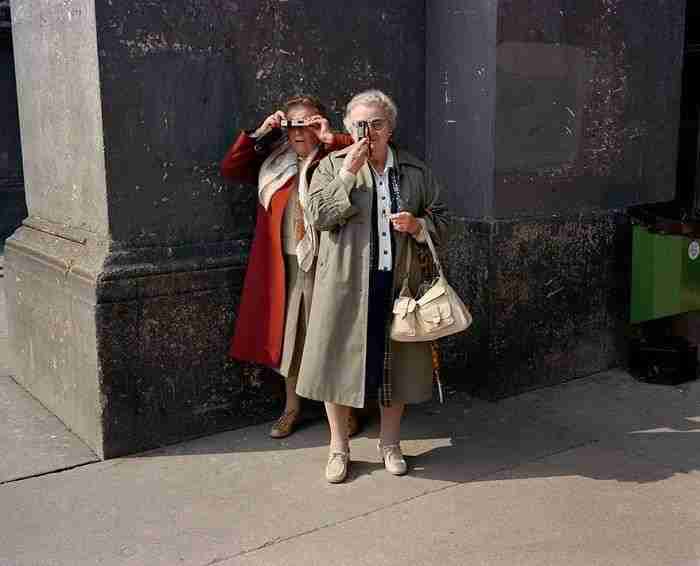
(385, 391)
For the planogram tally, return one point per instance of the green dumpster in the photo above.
(665, 274)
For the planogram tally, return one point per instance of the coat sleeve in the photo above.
(435, 213)
(242, 161)
(340, 141)
(329, 203)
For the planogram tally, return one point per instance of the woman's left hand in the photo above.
(321, 128)
(405, 222)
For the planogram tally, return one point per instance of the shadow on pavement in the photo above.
(616, 417)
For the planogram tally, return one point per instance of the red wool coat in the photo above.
(259, 330)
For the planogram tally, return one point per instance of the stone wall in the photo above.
(568, 113)
(543, 119)
(125, 278)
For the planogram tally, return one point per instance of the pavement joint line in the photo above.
(48, 473)
(455, 484)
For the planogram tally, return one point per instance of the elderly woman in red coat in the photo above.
(280, 157)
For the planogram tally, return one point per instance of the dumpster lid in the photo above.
(666, 218)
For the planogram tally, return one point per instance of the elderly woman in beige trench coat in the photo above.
(370, 202)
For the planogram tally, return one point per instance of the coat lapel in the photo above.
(365, 179)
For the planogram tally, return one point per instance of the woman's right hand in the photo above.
(271, 122)
(356, 156)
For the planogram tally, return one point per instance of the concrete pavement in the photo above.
(603, 470)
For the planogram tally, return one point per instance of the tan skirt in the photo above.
(300, 286)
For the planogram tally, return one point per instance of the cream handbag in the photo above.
(437, 313)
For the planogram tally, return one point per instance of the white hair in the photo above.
(372, 98)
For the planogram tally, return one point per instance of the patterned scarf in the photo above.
(276, 171)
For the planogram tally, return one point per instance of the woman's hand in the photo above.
(321, 128)
(271, 122)
(405, 222)
(357, 156)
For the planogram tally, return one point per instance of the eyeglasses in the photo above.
(378, 124)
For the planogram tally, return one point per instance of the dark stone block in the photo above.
(539, 107)
(547, 118)
(460, 90)
(179, 80)
(467, 264)
(165, 371)
(549, 299)
(587, 105)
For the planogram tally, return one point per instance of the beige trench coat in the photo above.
(300, 288)
(333, 364)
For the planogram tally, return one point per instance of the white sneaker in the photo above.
(394, 462)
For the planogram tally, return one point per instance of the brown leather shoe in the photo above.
(354, 423)
(285, 424)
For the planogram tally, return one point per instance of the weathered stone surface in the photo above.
(460, 105)
(165, 371)
(537, 108)
(180, 79)
(547, 119)
(550, 301)
(543, 119)
(587, 105)
(61, 118)
(124, 279)
(51, 320)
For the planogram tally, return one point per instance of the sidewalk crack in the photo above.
(48, 473)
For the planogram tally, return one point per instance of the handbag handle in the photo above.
(431, 246)
(429, 241)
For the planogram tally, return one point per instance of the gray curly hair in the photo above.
(372, 97)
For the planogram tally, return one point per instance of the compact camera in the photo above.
(362, 130)
(292, 123)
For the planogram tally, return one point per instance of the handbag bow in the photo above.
(403, 306)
